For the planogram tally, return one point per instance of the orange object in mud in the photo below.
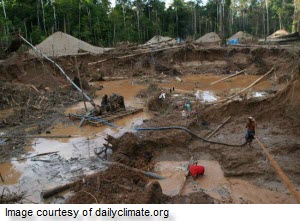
(196, 170)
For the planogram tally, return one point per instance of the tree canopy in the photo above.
(97, 22)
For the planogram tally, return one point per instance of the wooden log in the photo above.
(146, 173)
(247, 88)
(35, 136)
(114, 78)
(221, 125)
(37, 155)
(230, 76)
(56, 190)
(280, 173)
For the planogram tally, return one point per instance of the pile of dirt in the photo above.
(160, 103)
(211, 37)
(160, 39)
(278, 34)
(119, 186)
(61, 44)
(131, 151)
(149, 91)
(243, 38)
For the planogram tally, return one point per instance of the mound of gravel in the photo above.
(160, 39)
(243, 37)
(211, 37)
(61, 44)
(278, 34)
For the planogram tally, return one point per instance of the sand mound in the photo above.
(160, 39)
(61, 44)
(278, 34)
(243, 37)
(211, 37)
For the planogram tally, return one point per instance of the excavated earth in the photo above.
(233, 174)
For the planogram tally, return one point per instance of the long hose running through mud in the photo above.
(191, 133)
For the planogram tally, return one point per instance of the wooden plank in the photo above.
(230, 76)
(221, 125)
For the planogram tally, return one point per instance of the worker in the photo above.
(188, 105)
(251, 128)
(195, 170)
(162, 95)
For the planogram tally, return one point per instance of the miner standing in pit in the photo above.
(251, 128)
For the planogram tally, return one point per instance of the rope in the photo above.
(280, 173)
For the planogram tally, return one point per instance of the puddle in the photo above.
(214, 184)
(9, 173)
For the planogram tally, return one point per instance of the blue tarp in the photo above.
(179, 40)
(233, 41)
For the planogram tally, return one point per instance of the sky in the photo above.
(168, 2)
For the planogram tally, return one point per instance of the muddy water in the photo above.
(75, 155)
(214, 184)
(9, 173)
(201, 84)
(204, 81)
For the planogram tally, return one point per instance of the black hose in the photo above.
(191, 133)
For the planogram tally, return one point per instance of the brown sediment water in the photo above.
(204, 81)
(9, 173)
(215, 184)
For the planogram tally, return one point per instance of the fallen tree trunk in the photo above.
(146, 173)
(56, 190)
(230, 76)
(221, 125)
(247, 88)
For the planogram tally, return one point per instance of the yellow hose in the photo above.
(281, 174)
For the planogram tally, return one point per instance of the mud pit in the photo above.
(233, 174)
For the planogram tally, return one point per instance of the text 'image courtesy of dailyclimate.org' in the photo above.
(149, 110)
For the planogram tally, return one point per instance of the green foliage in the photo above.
(96, 22)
